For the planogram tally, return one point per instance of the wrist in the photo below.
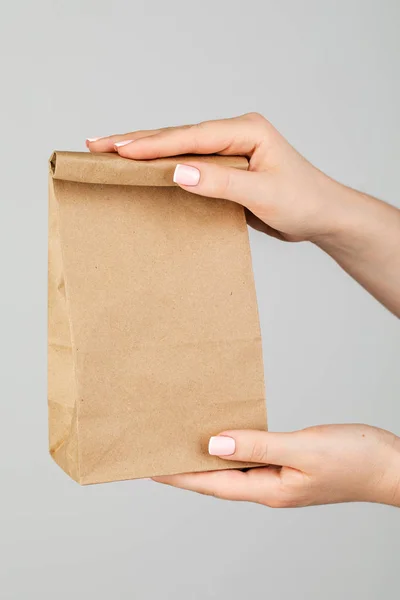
(347, 219)
(392, 484)
(354, 221)
(363, 238)
(383, 483)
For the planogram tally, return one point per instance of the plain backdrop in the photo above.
(326, 74)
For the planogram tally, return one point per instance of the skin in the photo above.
(289, 198)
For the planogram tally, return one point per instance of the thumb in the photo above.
(260, 447)
(206, 179)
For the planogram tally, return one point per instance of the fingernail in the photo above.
(92, 139)
(221, 445)
(185, 175)
(123, 143)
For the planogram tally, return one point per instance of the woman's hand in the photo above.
(318, 465)
(281, 188)
(291, 198)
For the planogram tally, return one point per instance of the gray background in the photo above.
(327, 75)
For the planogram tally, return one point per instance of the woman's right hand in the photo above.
(291, 198)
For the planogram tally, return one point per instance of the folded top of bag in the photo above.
(110, 168)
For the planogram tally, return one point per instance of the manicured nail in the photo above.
(221, 445)
(123, 143)
(92, 139)
(185, 175)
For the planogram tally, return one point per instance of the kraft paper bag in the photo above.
(154, 337)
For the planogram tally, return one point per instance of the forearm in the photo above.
(365, 242)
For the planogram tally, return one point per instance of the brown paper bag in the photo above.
(154, 339)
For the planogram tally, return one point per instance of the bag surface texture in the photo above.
(154, 336)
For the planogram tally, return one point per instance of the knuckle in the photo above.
(194, 133)
(295, 489)
(256, 118)
(225, 185)
(274, 503)
(261, 127)
(288, 498)
(259, 452)
(283, 502)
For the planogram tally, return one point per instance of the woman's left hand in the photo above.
(317, 465)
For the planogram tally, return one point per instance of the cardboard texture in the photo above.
(154, 338)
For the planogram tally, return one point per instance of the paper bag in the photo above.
(154, 338)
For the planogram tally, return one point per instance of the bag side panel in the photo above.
(61, 380)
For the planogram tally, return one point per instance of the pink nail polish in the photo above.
(92, 139)
(221, 445)
(123, 143)
(185, 175)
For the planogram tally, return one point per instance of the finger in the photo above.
(248, 188)
(107, 144)
(239, 135)
(262, 447)
(260, 485)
